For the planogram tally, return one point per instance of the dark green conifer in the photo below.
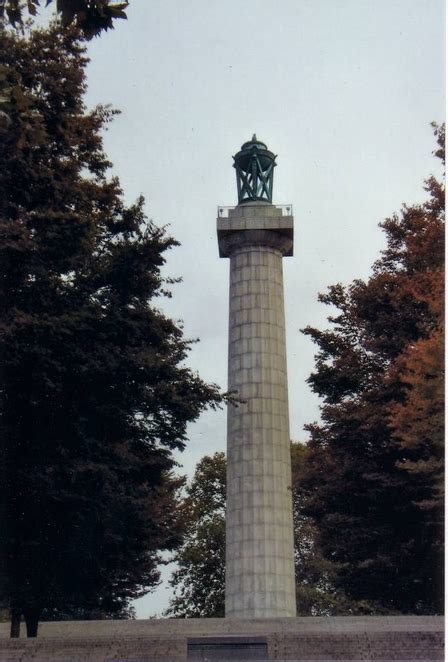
(94, 395)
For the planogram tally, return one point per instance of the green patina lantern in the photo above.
(254, 165)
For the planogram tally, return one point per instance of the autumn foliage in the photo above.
(374, 472)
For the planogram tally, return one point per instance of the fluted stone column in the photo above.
(259, 530)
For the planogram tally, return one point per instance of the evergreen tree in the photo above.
(375, 463)
(94, 393)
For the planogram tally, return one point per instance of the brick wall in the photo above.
(398, 638)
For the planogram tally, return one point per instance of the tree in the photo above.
(417, 422)
(199, 579)
(94, 394)
(316, 592)
(90, 16)
(375, 464)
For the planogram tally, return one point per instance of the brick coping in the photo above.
(222, 626)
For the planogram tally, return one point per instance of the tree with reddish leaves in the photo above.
(374, 475)
(94, 394)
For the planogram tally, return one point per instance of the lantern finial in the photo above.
(254, 165)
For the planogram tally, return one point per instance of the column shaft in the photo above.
(259, 547)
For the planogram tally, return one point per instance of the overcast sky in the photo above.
(342, 90)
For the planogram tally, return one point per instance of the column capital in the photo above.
(256, 224)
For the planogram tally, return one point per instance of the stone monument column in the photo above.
(256, 235)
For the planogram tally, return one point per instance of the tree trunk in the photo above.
(32, 622)
(15, 623)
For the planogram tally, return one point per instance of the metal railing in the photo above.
(223, 211)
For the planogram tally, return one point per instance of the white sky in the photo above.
(342, 90)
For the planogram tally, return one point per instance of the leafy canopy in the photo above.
(199, 578)
(90, 16)
(374, 474)
(95, 394)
